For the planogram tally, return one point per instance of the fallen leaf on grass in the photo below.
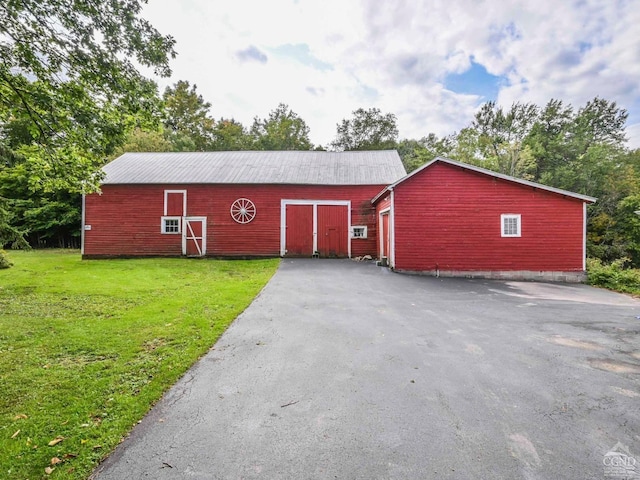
(22, 416)
(96, 447)
(56, 441)
(49, 470)
(67, 456)
(55, 461)
(15, 434)
(82, 442)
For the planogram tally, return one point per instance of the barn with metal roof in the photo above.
(446, 218)
(238, 204)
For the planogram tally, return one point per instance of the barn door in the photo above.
(384, 233)
(299, 235)
(333, 231)
(194, 236)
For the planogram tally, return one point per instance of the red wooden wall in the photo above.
(125, 219)
(448, 218)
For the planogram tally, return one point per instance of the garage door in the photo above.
(299, 225)
(315, 227)
(333, 231)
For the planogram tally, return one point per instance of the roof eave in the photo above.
(558, 191)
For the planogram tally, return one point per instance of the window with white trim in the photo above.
(510, 225)
(170, 225)
(359, 231)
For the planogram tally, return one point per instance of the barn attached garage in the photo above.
(446, 218)
(453, 219)
(238, 204)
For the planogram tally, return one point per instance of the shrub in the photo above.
(4, 260)
(613, 276)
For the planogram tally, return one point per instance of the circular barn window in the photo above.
(243, 210)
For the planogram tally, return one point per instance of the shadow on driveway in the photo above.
(341, 370)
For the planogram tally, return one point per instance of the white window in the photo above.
(510, 225)
(170, 225)
(359, 232)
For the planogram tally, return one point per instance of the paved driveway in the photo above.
(340, 370)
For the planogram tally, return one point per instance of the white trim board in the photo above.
(184, 202)
(381, 232)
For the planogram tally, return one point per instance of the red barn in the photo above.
(454, 219)
(238, 204)
(446, 218)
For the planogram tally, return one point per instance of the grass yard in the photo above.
(87, 347)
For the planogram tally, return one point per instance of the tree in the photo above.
(502, 135)
(548, 137)
(67, 73)
(229, 134)
(599, 122)
(69, 88)
(367, 130)
(415, 153)
(282, 130)
(187, 118)
(140, 140)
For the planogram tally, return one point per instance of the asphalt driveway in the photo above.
(341, 370)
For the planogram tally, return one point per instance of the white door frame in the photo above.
(382, 213)
(186, 229)
(314, 203)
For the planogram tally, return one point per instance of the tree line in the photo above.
(71, 100)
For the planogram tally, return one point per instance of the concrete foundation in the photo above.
(568, 277)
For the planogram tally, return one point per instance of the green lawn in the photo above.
(87, 347)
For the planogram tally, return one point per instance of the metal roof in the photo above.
(380, 167)
(484, 171)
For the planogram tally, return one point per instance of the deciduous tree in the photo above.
(228, 134)
(283, 129)
(367, 130)
(187, 120)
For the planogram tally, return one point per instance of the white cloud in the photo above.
(396, 55)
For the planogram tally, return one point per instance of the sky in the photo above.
(432, 63)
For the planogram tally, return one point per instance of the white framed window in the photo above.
(359, 231)
(170, 225)
(510, 225)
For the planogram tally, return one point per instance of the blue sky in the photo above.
(429, 62)
(475, 81)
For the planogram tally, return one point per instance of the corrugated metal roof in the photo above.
(484, 171)
(378, 167)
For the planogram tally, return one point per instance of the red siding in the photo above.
(448, 218)
(125, 219)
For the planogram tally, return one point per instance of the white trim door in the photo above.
(314, 204)
(194, 236)
(384, 244)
